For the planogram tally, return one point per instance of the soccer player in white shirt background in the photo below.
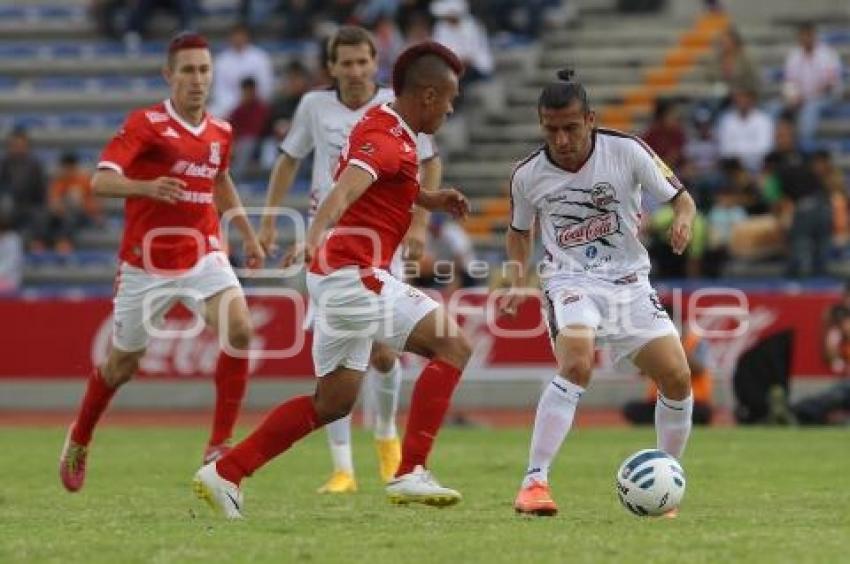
(584, 188)
(321, 125)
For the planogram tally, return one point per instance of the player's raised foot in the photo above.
(389, 457)
(214, 452)
(420, 486)
(223, 497)
(72, 463)
(535, 499)
(672, 514)
(340, 482)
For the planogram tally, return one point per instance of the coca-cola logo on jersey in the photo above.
(589, 230)
(196, 170)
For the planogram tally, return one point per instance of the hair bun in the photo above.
(566, 74)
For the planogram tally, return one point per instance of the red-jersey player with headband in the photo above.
(170, 164)
(357, 301)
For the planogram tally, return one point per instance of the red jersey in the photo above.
(154, 142)
(385, 147)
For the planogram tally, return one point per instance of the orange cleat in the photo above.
(535, 499)
(72, 463)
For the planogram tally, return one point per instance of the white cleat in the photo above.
(222, 496)
(420, 486)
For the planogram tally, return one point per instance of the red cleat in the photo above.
(72, 463)
(214, 452)
(535, 499)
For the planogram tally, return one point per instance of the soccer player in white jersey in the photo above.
(321, 125)
(584, 188)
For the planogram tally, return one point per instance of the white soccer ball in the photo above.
(650, 483)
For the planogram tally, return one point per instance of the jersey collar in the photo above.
(194, 130)
(386, 107)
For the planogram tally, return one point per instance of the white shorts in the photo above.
(142, 299)
(396, 269)
(349, 316)
(625, 316)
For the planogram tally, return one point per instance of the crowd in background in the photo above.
(763, 184)
(754, 165)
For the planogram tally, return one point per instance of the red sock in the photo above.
(428, 405)
(287, 423)
(231, 378)
(94, 403)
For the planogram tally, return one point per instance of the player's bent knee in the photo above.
(578, 370)
(329, 410)
(383, 359)
(675, 384)
(240, 334)
(456, 350)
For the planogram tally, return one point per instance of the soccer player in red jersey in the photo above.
(170, 163)
(358, 301)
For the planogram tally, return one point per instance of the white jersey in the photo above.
(322, 123)
(590, 218)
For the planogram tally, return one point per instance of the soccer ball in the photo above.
(650, 483)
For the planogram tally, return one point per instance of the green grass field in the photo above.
(754, 495)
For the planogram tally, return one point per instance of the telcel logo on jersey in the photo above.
(589, 230)
(197, 170)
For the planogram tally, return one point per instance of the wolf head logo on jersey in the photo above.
(603, 194)
(215, 153)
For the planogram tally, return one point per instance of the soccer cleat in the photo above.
(340, 482)
(389, 457)
(222, 496)
(214, 452)
(535, 499)
(72, 463)
(420, 486)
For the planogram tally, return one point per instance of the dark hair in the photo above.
(185, 40)
(296, 67)
(69, 158)
(350, 35)
(248, 82)
(807, 26)
(413, 64)
(563, 92)
(663, 106)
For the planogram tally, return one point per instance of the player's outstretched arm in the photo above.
(414, 241)
(227, 201)
(447, 200)
(350, 185)
(518, 250)
(108, 183)
(684, 212)
(280, 181)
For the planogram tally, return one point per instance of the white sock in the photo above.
(386, 388)
(339, 439)
(554, 418)
(673, 424)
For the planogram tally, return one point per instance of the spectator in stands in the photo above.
(142, 12)
(743, 185)
(701, 148)
(296, 82)
(744, 131)
(524, 17)
(802, 194)
(23, 190)
(71, 202)
(417, 28)
(242, 59)
(390, 44)
(249, 120)
(449, 256)
(665, 263)
(731, 68)
(370, 12)
(642, 412)
(831, 404)
(665, 134)
(813, 81)
(726, 212)
(460, 31)
(832, 178)
(106, 14)
(11, 256)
